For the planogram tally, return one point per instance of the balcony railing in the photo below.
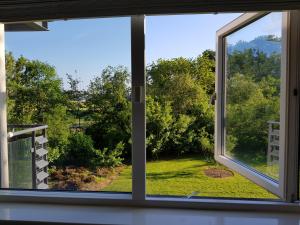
(273, 143)
(27, 156)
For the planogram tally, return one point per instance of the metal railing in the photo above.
(27, 156)
(273, 143)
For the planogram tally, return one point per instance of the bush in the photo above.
(80, 150)
(58, 133)
(159, 123)
(106, 158)
(207, 142)
(54, 154)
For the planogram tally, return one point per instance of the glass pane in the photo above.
(180, 58)
(252, 105)
(75, 78)
(20, 163)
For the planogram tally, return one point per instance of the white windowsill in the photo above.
(86, 199)
(137, 216)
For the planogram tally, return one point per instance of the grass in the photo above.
(186, 177)
(259, 163)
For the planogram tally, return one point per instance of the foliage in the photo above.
(110, 110)
(107, 158)
(179, 117)
(55, 155)
(75, 98)
(35, 96)
(159, 123)
(252, 62)
(253, 99)
(79, 150)
(34, 90)
(58, 132)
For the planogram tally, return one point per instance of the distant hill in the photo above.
(268, 44)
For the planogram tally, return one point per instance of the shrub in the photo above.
(80, 150)
(109, 158)
(54, 154)
(159, 122)
(207, 143)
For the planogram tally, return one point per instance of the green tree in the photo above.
(76, 98)
(159, 124)
(255, 63)
(35, 96)
(185, 85)
(80, 150)
(252, 99)
(110, 110)
(35, 89)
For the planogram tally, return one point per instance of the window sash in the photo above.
(138, 107)
(291, 182)
(279, 188)
(3, 113)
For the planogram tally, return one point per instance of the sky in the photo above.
(269, 24)
(84, 47)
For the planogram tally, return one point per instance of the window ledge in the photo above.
(50, 213)
(102, 199)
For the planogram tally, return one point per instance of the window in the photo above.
(274, 141)
(69, 108)
(179, 117)
(252, 101)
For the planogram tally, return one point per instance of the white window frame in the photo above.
(138, 108)
(288, 118)
(138, 196)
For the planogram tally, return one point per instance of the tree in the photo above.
(159, 125)
(76, 98)
(252, 99)
(183, 86)
(110, 110)
(255, 63)
(34, 88)
(35, 96)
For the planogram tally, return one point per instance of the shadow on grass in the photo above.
(170, 175)
(189, 172)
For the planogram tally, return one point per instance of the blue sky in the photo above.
(270, 24)
(84, 47)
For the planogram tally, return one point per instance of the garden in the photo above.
(89, 130)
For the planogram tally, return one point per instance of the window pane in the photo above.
(252, 87)
(75, 79)
(20, 163)
(180, 58)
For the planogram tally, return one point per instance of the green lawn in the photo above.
(185, 177)
(259, 163)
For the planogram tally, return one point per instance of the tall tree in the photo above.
(110, 108)
(76, 97)
(35, 96)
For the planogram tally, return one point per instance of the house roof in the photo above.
(26, 26)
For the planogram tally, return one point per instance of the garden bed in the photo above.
(83, 179)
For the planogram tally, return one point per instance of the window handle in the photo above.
(213, 98)
(138, 92)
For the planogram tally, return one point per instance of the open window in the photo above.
(252, 92)
(253, 117)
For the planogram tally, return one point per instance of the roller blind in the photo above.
(27, 10)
